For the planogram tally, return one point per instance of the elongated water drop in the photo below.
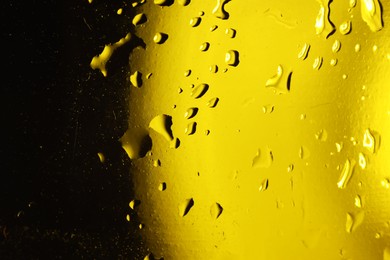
(264, 185)
(353, 221)
(139, 19)
(190, 113)
(186, 206)
(369, 141)
(216, 210)
(231, 33)
(323, 24)
(346, 174)
(204, 46)
(195, 21)
(219, 9)
(304, 51)
(231, 58)
(362, 161)
(336, 46)
(345, 27)
(372, 14)
(160, 38)
(136, 80)
(190, 129)
(212, 102)
(263, 158)
(317, 63)
(358, 201)
(199, 90)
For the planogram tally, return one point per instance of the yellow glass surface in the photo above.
(270, 128)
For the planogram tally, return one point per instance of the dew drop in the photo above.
(317, 63)
(264, 185)
(139, 19)
(157, 163)
(190, 113)
(336, 46)
(186, 206)
(120, 11)
(195, 21)
(303, 53)
(160, 38)
(160, 2)
(128, 218)
(204, 46)
(372, 14)
(263, 158)
(346, 174)
(219, 10)
(352, 3)
(333, 62)
(290, 168)
(213, 68)
(216, 210)
(212, 102)
(231, 33)
(339, 146)
(231, 58)
(345, 27)
(136, 79)
(190, 129)
(162, 186)
(199, 90)
(141, 226)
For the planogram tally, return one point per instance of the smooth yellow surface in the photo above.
(292, 161)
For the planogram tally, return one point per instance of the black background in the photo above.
(57, 200)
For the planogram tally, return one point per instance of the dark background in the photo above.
(57, 200)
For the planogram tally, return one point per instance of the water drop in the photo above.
(352, 3)
(317, 63)
(213, 68)
(264, 185)
(345, 27)
(362, 161)
(304, 153)
(322, 135)
(345, 76)
(184, 2)
(216, 210)
(333, 62)
(160, 38)
(139, 19)
(101, 157)
(128, 218)
(190, 129)
(354, 221)
(199, 90)
(195, 21)
(323, 24)
(372, 14)
(303, 53)
(213, 28)
(187, 73)
(212, 102)
(185, 207)
(386, 183)
(134, 203)
(357, 47)
(136, 79)
(231, 58)
(268, 109)
(157, 163)
(162, 125)
(149, 75)
(162, 186)
(336, 46)
(219, 10)
(346, 174)
(204, 46)
(231, 33)
(369, 141)
(120, 11)
(207, 132)
(141, 226)
(375, 48)
(358, 201)
(190, 113)
(339, 146)
(263, 158)
(290, 168)
(136, 142)
(160, 2)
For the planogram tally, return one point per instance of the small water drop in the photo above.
(185, 207)
(352, 3)
(321, 135)
(216, 210)
(290, 168)
(346, 174)
(264, 185)
(204, 46)
(375, 48)
(162, 125)
(184, 2)
(119, 11)
(212, 102)
(362, 161)
(157, 163)
(141, 226)
(333, 62)
(128, 218)
(345, 27)
(134, 203)
(231, 33)
(304, 52)
(317, 63)
(358, 201)
(195, 21)
(357, 47)
(190, 113)
(386, 183)
(268, 109)
(213, 28)
(149, 75)
(336, 46)
(354, 221)
(372, 14)
(207, 132)
(160, 38)
(304, 153)
(263, 158)
(136, 79)
(339, 146)
(101, 157)
(199, 90)
(213, 68)
(369, 141)
(160, 2)
(219, 10)
(190, 129)
(231, 58)
(139, 19)
(187, 73)
(162, 186)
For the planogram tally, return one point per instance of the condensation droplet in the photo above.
(219, 10)
(268, 109)
(160, 38)
(352, 3)
(362, 161)
(336, 46)
(186, 206)
(204, 46)
(190, 129)
(345, 28)
(264, 185)
(101, 157)
(184, 2)
(290, 168)
(195, 21)
(119, 11)
(345, 76)
(333, 62)
(322, 135)
(157, 163)
(199, 90)
(213, 28)
(136, 79)
(216, 210)
(134, 203)
(372, 14)
(374, 48)
(263, 158)
(213, 68)
(323, 25)
(149, 75)
(346, 174)
(160, 2)
(358, 201)
(304, 152)
(231, 33)
(317, 63)
(141, 226)
(187, 73)
(128, 218)
(386, 183)
(354, 221)
(231, 58)
(162, 125)
(303, 53)
(212, 102)
(369, 141)
(162, 186)
(339, 146)
(190, 113)
(139, 19)
(357, 47)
